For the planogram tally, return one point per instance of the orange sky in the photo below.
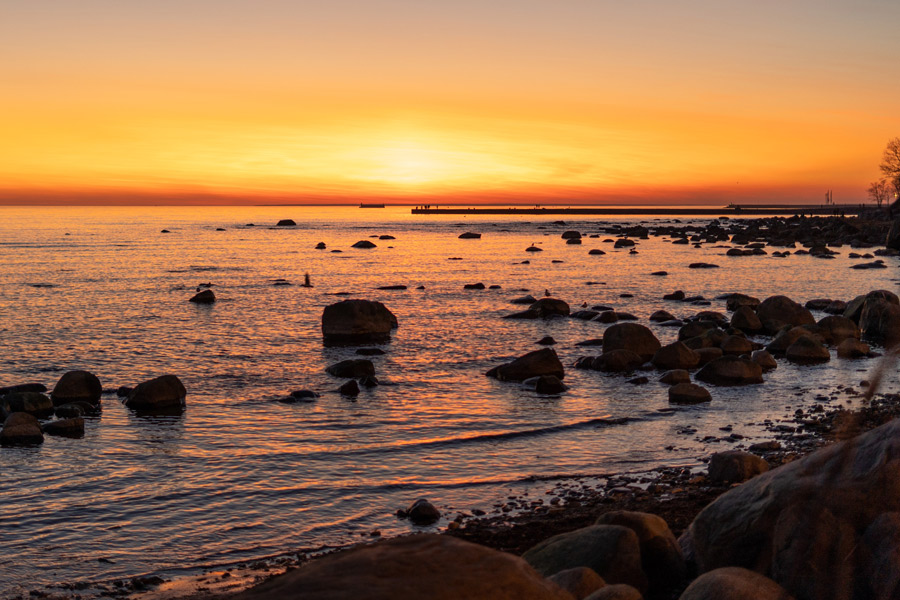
(581, 101)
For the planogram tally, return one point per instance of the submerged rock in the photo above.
(352, 368)
(73, 427)
(730, 370)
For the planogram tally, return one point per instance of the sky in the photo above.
(530, 102)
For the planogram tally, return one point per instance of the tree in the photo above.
(879, 191)
(890, 163)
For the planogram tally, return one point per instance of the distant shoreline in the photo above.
(731, 210)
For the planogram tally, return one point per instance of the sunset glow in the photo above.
(585, 102)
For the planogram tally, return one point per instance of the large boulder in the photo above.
(437, 567)
(21, 429)
(805, 523)
(785, 338)
(32, 403)
(746, 320)
(835, 329)
(631, 336)
(534, 364)
(617, 361)
(880, 322)
(581, 582)
(616, 591)
(77, 386)
(736, 345)
(660, 553)
(163, 394)
(548, 307)
(675, 356)
(777, 311)
(851, 348)
(612, 551)
(736, 300)
(854, 308)
(352, 368)
(807, 350)
(688, 393)
(357, 322)
(730, 370)
(734, 583)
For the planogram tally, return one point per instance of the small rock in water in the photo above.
(688, 393)
(320, 246)
(204, 297)
(469, 236)
(351, 388)
(369, 351)
(21, 429)
(286, 223)
(549, 384)
(364, 244)
(355, 367)
(422, 512)
(546, 341)
(73, 427)
(473, 286)
(307, 395)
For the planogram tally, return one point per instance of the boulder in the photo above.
(469, 236)
(880, 322)
(33, 403)
(73, 427)
(357, 322)
(607, 316)
(734, 583)
(676, 295)
(675, 376)
(584, 315)
(547, 307)
(675, 356)
(203, 297)
(661, 316)
(578, 581)
(688, 393)
(777, 311)
(854, 308)
(352, 368)
(529, 299)
(623, 243)
(549, 384)
(707, 355)
(735, 301)
(77, 386)
(785, 338)
(617, 361)
(746, 320)
(422, 512)
(882, 565)
(736, 345)
(437, 567)
(803, 523)
(349, 388)
(730, 370)
(534, 364)
(66, 411)
(695, 329)
(612, 551)
(735, 466)
(571, 235)
(631, 336)
(21, 429)
(164, 393)
(851, 348)
(661, 556)
(764, 359)
(364, 244)
(616, 591)
(807, 350)
(835, 329)
(286, 223)
(23, 387)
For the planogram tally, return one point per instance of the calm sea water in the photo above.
(241, 476)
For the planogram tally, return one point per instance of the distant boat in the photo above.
(364, 205)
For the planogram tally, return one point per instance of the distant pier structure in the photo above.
(736, 210)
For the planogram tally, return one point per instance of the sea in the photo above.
(241, 476)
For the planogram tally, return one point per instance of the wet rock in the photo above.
(396, 287)
(349, 388)
(422, 512)
(675, 356)
(23, 387)
(746, 320)
(880, 322)
(321, 246)
(764, 359)
(411, 568)
(524, 300)
(770, 446)
(352, 368)
(638, 380)
(617, 361)
(623, 243)
(707, 355)
(357, 321)
(73, 427)
(675, 376)
(574, 242)
(533, 364)
(777, 311)
(596, 252)
(616, 591)
(473, 286)
(661, 556)
(123, 390)
(702, 265)
(735, 301)
(851, 348)
(21, 429)
(659, 273)
(547, 307)
(469, 236)
(835, 329)
(77, 386)
(304, 395)
(203, 297)
(855, 307)
(688, 393)
(607, 316)
(549, 384)
(730, 371)
(734, 583)
(676, 295)
(571, 235)
(631, 336)
(578, 581)
(286, 223)
(735, 466)
(69, 410)
(533, 249)
(33, 403)
(612, 551)
(662, 316)
(546, 341)
(165, 393)
(584, 315)
(694, 329)
(785, 338)
(807, 350)
(736, 345)
(386, 237)
(364, 244)
(837, 307)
